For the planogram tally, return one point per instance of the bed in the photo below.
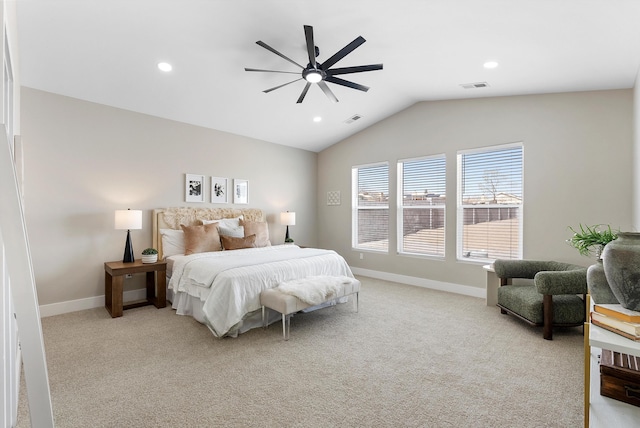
(219, 283)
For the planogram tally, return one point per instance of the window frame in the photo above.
(400, 207)
(461, 207)
(355, 207)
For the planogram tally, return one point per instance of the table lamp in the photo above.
(288, 219)
(128, 219)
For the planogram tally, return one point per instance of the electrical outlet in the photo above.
(128, 276)
(361, 256)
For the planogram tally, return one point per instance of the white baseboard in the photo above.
(422, 282)
(88, 303)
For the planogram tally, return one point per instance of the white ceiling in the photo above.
(106, 51)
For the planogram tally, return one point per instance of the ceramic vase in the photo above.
(621, 261)
(599, 288)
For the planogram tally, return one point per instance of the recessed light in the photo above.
(165, 66)
(317, 119)
(490, 64)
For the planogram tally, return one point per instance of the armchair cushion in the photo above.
(527, 302)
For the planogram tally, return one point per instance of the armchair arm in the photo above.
(562, 282)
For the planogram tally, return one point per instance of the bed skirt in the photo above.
(184, 304)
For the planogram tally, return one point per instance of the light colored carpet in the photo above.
(411, 357)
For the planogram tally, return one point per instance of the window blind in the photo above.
(490, 201)
(371, 207)
(421, 206)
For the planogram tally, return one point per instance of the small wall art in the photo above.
(333, 197)
(219, 193)
(240, 191)
(194, 188)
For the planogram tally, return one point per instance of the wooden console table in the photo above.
(114, 273)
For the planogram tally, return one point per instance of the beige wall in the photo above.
(85, 160)
(578, 169)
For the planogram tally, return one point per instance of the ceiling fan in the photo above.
(321, 73)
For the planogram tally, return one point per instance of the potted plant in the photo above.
(590, 240)
(149, 255)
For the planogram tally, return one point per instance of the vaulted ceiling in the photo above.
(107, 51)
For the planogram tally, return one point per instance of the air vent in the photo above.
(353, 118)
(475, 85)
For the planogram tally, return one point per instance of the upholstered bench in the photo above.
(288, 304)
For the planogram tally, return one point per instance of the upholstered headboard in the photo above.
(173, 217)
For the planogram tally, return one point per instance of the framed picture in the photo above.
(219, 194)
(333, 197)
(194, 188)
(240, 191)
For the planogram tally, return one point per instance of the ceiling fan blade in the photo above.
(343, 52)
(280, 86)
(327, 91)
(304, 93)
(356, 69)
(269, 48)
(311, 47)
(271, 71)
(346, 83)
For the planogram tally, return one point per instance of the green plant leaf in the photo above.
(590, 239)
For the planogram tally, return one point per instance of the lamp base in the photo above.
(128, 250)
(286, 236)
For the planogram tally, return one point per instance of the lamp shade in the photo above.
(128, 219)
(288, 218)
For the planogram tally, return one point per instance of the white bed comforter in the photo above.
(229, 283)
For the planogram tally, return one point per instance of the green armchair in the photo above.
(552, 299)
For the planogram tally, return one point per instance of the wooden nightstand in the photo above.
(114, 273)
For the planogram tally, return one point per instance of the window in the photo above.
(370, 214)
(490, 203)
(421, 206)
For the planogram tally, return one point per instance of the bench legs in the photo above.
(286, 323)
(286, 319)
(286, 326)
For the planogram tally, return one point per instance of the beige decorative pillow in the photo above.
(232, 243)
(260, 229)
(201, 238)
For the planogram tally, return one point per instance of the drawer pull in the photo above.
(632, 392)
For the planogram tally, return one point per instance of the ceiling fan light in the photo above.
(165, 66)
(313, 76)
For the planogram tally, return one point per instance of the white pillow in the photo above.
(233, 223)
(172, 242)
(235, 232)
(228, 226)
